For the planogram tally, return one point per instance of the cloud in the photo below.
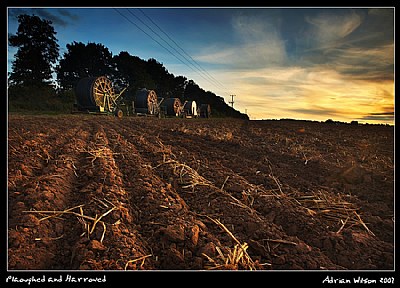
(387, 117)
(367, 29)
(317, 92)
(356, 43)
(364, 64)
(340, 64)
(316, 111)
(259, 44)
(55, 19)
(328, 27)
(60, 17)
(68, 14)
(243, 57)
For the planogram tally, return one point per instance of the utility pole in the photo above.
(232, 100)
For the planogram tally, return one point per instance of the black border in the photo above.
(262, 278)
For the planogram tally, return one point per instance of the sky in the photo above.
(298, 63)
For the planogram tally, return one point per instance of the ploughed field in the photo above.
(93, 192)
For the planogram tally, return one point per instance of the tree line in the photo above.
(38, 58)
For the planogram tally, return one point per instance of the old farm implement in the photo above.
(96, 95)
(147, 103)
(190, 109)
(205, 111)
(172, 107)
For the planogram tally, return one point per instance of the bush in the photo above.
(39, 98)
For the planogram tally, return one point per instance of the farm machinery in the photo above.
(205, 111)
(172, 107)
(147, 103)
(188, 109)
(96, 95)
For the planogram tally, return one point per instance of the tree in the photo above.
(91, 60)
(37, 51)
(131, 70)
(162, 78)
(178, 87)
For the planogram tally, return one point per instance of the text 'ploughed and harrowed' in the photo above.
(58, 279)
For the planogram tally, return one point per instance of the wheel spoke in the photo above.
(102, 92)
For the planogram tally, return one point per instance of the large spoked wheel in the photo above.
(152, 102)
(177, 106)
(103, 94)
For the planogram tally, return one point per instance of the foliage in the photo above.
(131, 70)
(90, 60)
(162, 78)
(39, 98)
(37, 51)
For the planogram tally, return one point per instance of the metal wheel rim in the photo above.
(103, 93)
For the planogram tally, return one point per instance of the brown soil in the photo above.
(90, 192)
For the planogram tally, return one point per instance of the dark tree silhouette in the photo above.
(138, 73)
(131, 70)
(91, 60)
(178, 87)
(162, 78)
(37, 51)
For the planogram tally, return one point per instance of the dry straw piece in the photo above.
(143, 258)
(96, 153)
(236, 258)
(331, 207)
(83, 219)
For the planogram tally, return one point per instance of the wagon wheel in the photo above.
(103, 93)
(152, 102)
(177, 106)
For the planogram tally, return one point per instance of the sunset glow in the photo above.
(311, 64)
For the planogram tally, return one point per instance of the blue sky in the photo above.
(300, 63)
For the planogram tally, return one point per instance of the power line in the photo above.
(149, 36)
(137, 26)
(177, 45)
(151, 29)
